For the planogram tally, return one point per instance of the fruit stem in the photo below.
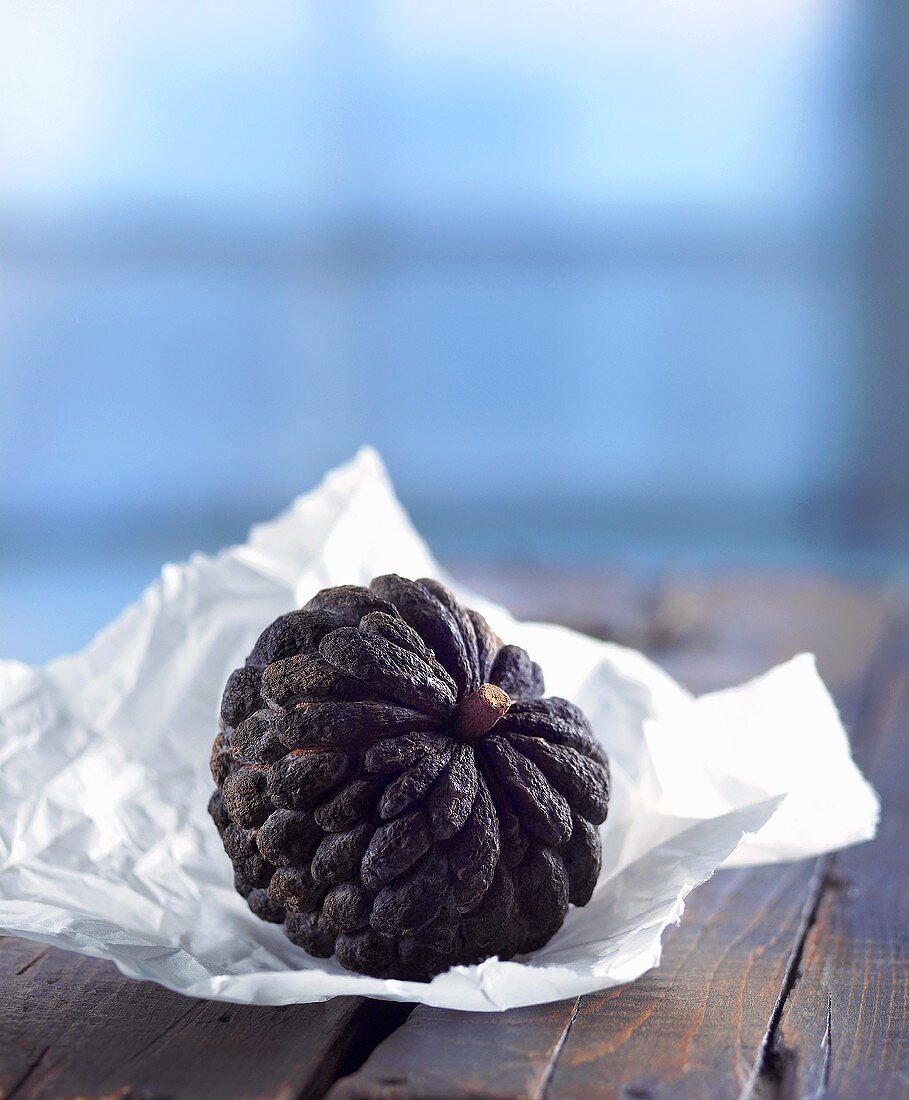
(480, 710)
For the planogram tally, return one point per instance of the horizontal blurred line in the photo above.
(144, 238)
(547, 528)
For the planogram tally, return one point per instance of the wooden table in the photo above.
(781, 982)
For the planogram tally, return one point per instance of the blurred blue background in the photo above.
(606, 283)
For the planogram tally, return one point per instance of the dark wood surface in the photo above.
(848, 1014)
(780, 982)
(73, 1026)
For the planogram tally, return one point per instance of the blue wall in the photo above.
(580, 262)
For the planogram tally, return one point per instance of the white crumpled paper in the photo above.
(106, 847)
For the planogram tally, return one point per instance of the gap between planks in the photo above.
(772, 1070)
(546, 1078)
(769, 1066)
(27, 1073)
(31, 962)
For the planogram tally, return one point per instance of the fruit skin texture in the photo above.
(393, 788)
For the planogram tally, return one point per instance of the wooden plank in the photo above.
(446, 1055)
(695, 1026)
(719, 631)
(843, 1030)
(17, 1054)
(74, 1026)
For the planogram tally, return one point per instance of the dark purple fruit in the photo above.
(393, 787)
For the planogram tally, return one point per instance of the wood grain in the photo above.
(844, 1029)
(693, 1027)
(446, 1055)
(73, 1026)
